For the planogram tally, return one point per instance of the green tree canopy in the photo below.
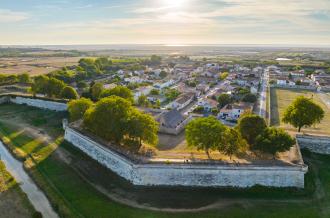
(172, 94)
(154, 92)
(40, 84)
(69, 93)
(249, 98)
(120, 91)
(54, 87)
(233, 143)
(96, 90)
(303, 112)
(205, 133)
(143, 101)
(113, 118)
(108, 119)
(273, 140)
(142, 127)
(24, 78)
(250, 126)
(224, 99)
(77, 108)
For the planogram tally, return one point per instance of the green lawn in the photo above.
(280, 100)
(72, 196)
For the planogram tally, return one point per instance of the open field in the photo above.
(35, 65)
(79, 187)
(13, 202)
(280, 100)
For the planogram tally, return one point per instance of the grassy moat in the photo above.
(77, 186)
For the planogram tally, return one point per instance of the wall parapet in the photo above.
(39, 102)
(183, 174)
(317, 144)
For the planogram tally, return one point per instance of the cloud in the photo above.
(8, 16)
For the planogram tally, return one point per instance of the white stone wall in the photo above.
(202, 175)
(317, 144)
(39, 103)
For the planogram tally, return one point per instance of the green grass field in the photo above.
(282, 98)
(67, 182)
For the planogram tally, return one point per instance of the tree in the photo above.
(250, 126)
(24, 78)
(303, 112)
(249, 98)
(162, 74)
(39, 85)
(273, 140)
(96, 91)
(142, 127)
(233, 143)
(205, 133)
(224, 99)
(143, 101)
(154, 92)
(172, 94)
(120, 91)
(108, 119)
(69, 93)
(54, 87)
(223, 75)
(82, 84)
(77, 108)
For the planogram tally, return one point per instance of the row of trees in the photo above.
(53, 87)
(115, 119)
(12, 79)
(251, 133)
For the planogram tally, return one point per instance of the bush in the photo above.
(69, 93)
(77, 108)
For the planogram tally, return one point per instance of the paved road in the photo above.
(34, 194)
(263, 95)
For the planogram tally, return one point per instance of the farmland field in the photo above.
(35, 65)
(280, 100)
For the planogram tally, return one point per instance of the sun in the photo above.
(173, 3)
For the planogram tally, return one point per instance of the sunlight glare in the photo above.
(173, 3)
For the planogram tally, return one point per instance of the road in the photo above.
(34, 194)
(263, 95)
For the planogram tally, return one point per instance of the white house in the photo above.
(145, 90)
(234, 111)
(207, 103)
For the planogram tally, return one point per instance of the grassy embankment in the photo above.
(72, 196)
(13, 201)
(282, 98)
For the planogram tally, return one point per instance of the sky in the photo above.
(168, 22)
